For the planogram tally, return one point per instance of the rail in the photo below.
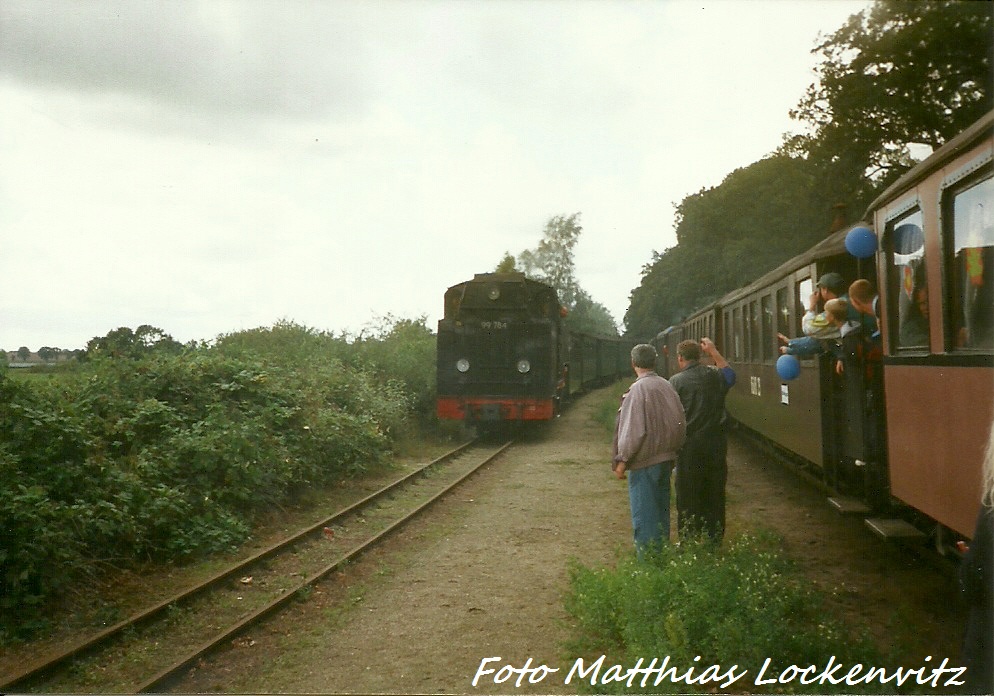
(49, 665)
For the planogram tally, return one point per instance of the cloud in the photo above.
(209, 166)
(251, 59)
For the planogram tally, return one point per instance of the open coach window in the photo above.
(906, 281)
(767, 335)
(969, 236)
(804, 291)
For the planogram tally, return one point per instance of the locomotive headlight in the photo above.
(462, 365)
(524, 367)
(493, 293)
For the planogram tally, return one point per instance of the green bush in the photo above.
(703, 605)
(404, 352)
(168, 455)
(39, 544)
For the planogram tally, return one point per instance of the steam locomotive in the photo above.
(505, 354)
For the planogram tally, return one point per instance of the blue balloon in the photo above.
(861, 242)
(788, 367)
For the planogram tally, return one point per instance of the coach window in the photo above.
(971, 263)
(728, 337)
(804, 290)
(767, 337)
(746, 331)
(783, 313)
(736, 334)
(757, 344)
(906, 280)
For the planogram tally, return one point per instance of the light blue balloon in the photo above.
(788, 367)
(861, 242)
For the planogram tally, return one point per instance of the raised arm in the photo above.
(708, 346)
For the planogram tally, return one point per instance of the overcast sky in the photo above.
(206, 167)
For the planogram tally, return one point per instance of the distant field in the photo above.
(32, 373)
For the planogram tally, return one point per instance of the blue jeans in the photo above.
(649, 495)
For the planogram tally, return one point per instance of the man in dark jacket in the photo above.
(702, 468)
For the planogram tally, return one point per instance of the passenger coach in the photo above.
(903, 439)
(936, 263)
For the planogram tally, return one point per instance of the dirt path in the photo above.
(484, 579)
(484, 575)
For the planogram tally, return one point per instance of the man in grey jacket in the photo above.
(649, 430)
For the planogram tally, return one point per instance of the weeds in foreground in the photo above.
(711, 608)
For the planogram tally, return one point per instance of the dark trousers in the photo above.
(701, 472)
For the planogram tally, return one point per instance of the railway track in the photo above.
(155, 646)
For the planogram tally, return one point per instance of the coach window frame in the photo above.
(899, 300)
(736, 333)
(746, 332)
(728, 336)
(954, 190)
(755, 344)
(766, 313)
(782, 308)
(757, 331)
(802, 292)
(740, 332)
(803, 289)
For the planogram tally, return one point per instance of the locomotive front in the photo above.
(499, 350)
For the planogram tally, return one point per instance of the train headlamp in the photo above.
(462, 364)
(524, 367)
(493, 293)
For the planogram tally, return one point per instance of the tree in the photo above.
(896, 74)
(506, 265)
(24, 352)
(756, 219)
(552, 262)
(125, 343)
(592, 317)
(150, 337)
